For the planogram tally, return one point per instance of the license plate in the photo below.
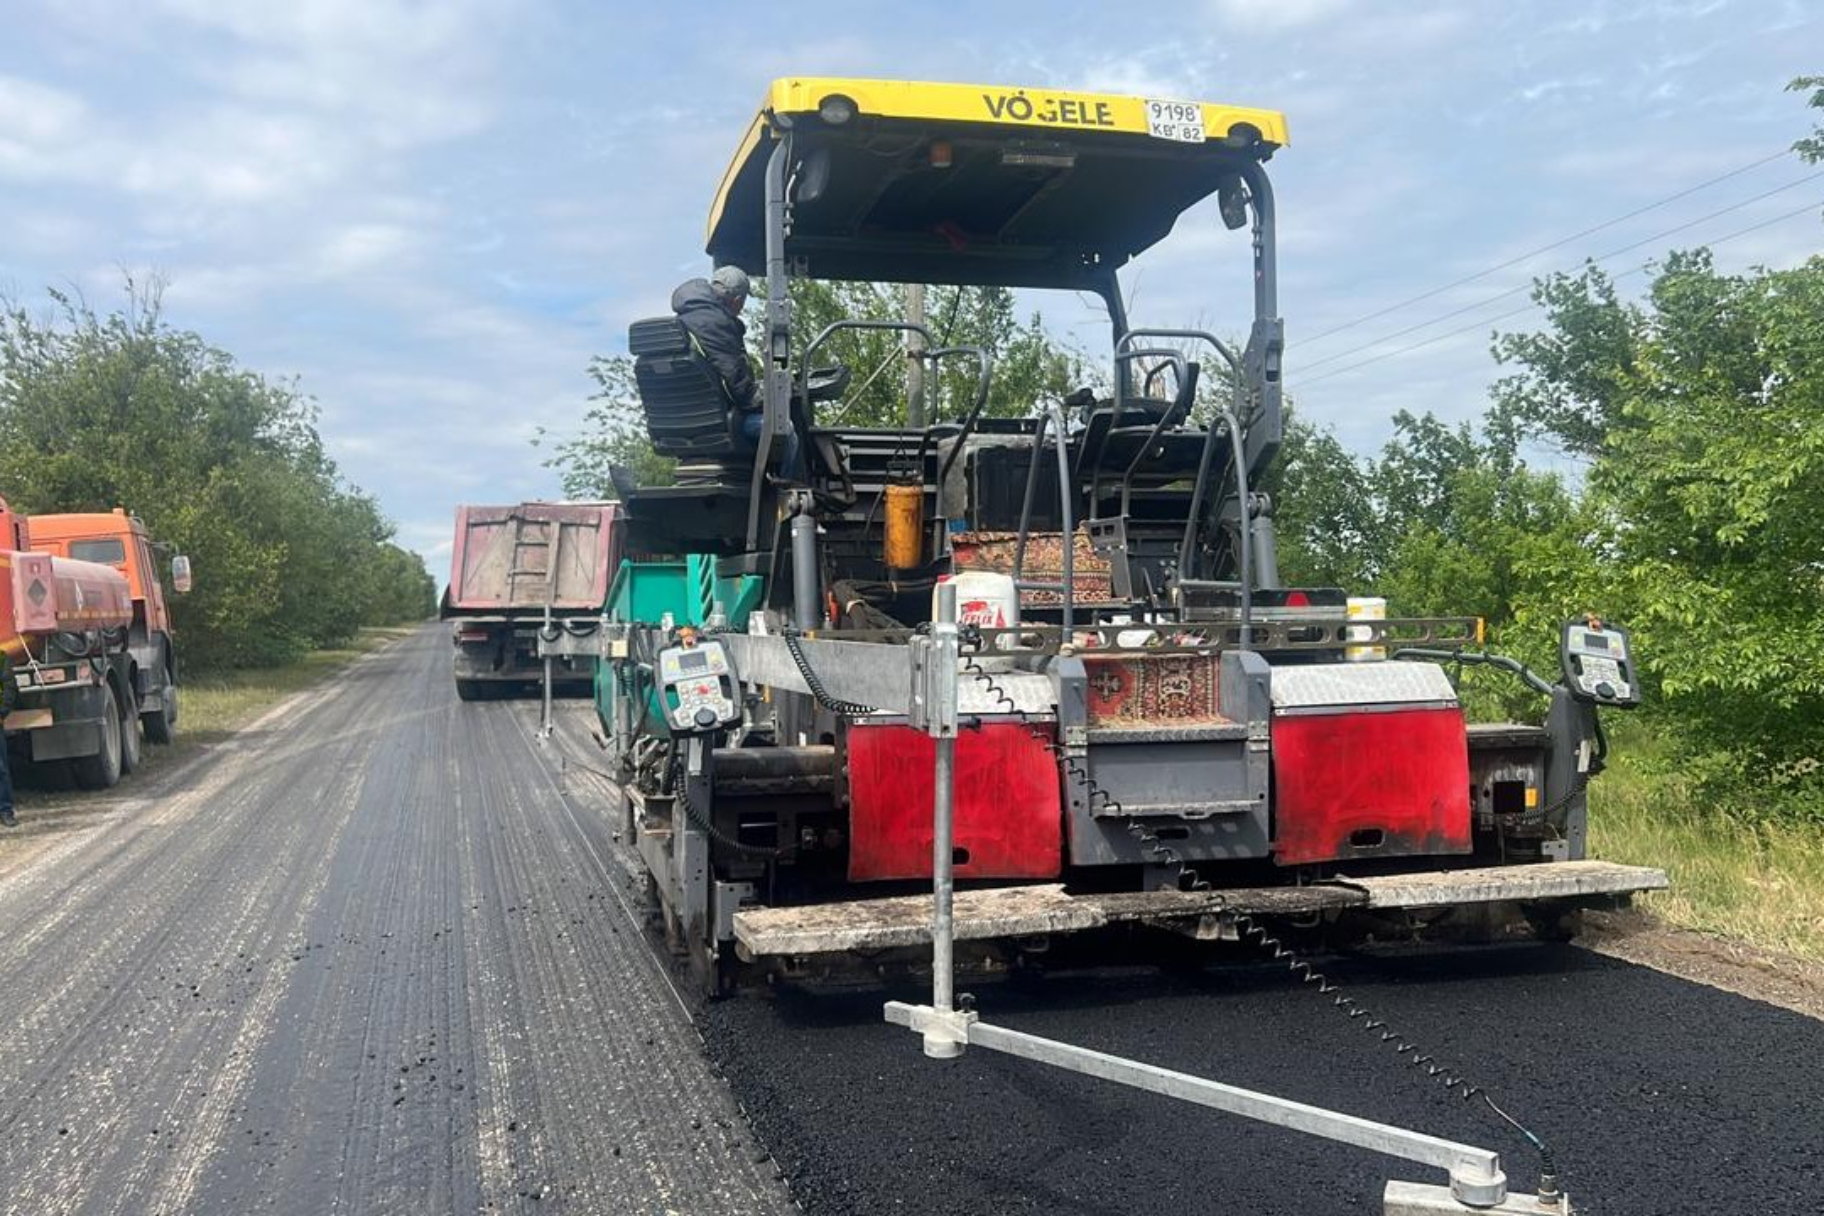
(1178, 120)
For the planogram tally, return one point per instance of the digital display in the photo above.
(1599, 643)
(693, 660)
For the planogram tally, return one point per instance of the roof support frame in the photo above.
(776, 385)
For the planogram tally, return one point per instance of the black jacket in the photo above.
(721, 336)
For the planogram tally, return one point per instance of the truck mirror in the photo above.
(813, 176)
(1232, 202)
(180, 574)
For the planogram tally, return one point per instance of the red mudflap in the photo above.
(1009, 811)
(1353, 784)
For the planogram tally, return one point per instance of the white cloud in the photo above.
(435, 213)
(360, 248)
(38, 116)
(1274, 15)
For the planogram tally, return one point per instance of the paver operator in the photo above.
(710, 310)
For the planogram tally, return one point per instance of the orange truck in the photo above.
(104, 665)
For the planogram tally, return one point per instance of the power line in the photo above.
(1558, 244)
(1602, 257)
(1486, 321)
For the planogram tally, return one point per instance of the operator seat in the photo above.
(1112, 439)
(689, 417)
(687, 407)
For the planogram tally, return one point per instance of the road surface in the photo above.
(379, 955)
(364, 959)
(1660, 1097)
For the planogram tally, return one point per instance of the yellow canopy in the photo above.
(958, 183)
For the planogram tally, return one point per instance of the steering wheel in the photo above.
(826, 383)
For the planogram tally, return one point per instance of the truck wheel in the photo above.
(102, 770)
(129, 741)
(161, 723)
(471, 690)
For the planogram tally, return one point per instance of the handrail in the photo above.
(1179, 408)
(1068, 588)
(984, 362)
(1201, 335)
(1177, 363)
(1528, 676)
(911, 327)
(1231, 417)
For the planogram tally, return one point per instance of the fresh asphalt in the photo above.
(382, 954)
(1657, 1096)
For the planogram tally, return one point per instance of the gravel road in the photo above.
(365, 959)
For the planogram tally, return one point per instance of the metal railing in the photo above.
(1052, 417)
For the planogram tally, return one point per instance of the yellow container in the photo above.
(1365, 608)
(905, 540)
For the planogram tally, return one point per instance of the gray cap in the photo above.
(729, 282)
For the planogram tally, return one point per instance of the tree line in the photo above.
(1693, 420)
(99, 410)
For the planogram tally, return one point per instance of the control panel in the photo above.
(1599, 664)
(697, 687)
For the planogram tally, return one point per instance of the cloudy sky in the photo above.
(433, 214)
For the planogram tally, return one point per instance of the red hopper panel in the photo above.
(1009, 811)
(1400, 779)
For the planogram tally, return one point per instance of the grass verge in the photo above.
(1759, 883)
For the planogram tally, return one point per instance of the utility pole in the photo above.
(915, 343)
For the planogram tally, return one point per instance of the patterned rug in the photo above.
(1152, 690)
(1044, 564)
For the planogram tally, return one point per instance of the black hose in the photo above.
(700, 817)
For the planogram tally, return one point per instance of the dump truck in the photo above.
(517, 571)
(120, 540)
(65, 626)
(1158, 735)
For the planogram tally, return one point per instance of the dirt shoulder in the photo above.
(1637, 937)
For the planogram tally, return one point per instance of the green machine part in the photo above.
(646, 592)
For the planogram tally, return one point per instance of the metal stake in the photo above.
(934, 694)
(943, 978)
(544, 637)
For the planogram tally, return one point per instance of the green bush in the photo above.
(99, 411)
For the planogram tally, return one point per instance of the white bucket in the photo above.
(985, 599)
(1365, 608)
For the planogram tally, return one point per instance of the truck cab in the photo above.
(118, 539)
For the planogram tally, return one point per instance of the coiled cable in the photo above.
(812, 681)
